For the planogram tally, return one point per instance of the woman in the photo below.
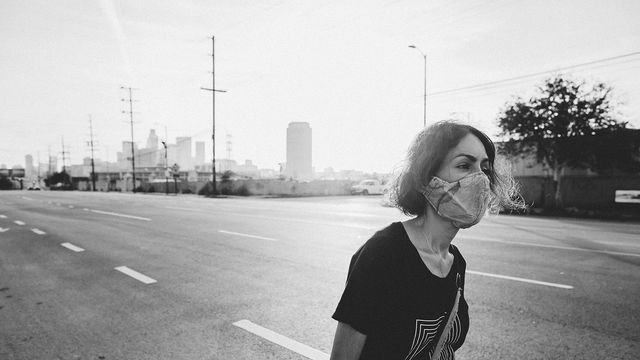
(405, 284)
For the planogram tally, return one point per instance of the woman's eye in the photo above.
(463, 166)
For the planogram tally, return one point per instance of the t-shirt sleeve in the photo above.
(364, 293)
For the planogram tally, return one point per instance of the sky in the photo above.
(345, 67)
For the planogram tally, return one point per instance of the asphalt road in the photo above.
(248, 278)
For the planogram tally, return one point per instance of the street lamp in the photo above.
(425, 82)
(166, 169)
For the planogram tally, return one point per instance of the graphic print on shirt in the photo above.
(425, 333)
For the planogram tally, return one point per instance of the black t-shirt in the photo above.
(393, 298)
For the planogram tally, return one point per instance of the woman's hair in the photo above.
(425, 156)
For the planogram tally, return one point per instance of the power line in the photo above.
(497, 82)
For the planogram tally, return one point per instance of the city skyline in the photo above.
(347, 69)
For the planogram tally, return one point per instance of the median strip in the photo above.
(247, 235)
(72, 247)
(561, 286)
(136, 275)
(274, 337)
(120, 215)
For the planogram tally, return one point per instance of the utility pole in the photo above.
(49, 167)
(133, 155)
(213, 93)
(93, 168)
(64, 156)
(39, 169)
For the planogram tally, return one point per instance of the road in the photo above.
(135, 276)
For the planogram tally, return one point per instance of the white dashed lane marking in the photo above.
(3, 216)
(509, 242)
(3, 230)
(136, 275)
(120, 215)
(282, 340)
(72, 247)
(561, 286)
(21, 223)
(71, 206)
(247, 235)
(38, 231)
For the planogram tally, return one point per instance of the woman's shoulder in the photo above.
(385, 241)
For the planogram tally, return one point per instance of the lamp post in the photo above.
(166, 169)
(425, 82)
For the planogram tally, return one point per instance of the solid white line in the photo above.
(38, 231)
(3, 216)
(246, 235)
(521, 279)
(120, 215)
(182, 208)
(136, 275)
(72, 247)
(550, 246)
(19, 222)
(282, 340)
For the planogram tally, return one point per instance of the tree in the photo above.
(569, 124)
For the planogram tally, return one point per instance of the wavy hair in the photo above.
(425, 156)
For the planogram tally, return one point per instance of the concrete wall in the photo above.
(585, 192)
(262, 187)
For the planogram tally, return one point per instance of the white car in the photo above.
(368, 187)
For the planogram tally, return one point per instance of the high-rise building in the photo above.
(299, 151)
(199, 153)
(152, 140)
(28, 166)
(184, 152)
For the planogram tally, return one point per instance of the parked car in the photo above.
(367, 187)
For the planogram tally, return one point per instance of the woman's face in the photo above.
(468, 157)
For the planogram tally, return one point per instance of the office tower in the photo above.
(28, 166)
(299, 151)
(152, 140)
(184, 152)
(199, 153)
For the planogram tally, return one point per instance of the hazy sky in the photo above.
(343, 66)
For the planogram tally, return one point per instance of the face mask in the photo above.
(464, 202)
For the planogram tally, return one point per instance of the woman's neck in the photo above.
(437, 232)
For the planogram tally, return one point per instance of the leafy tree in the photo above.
(569, 124)
(59, 178)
